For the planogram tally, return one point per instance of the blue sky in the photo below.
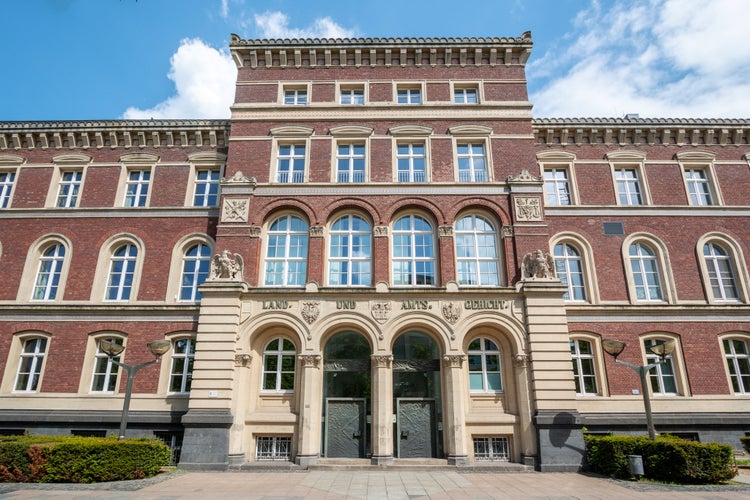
(108, 59)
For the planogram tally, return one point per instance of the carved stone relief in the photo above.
(255, 231)
(225, 266)
(310, 360)
(528, 208)
(451, 311)
(316, 231)
(380, 311)
(538, 265)
(454, 360)
(242, 360)
(382, 360)
(310, 311)
(380, 231)
(234, 211)
(445, 231)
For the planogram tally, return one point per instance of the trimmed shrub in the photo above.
(668, 459)
(73, 459)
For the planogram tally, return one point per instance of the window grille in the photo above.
(491, 449)
(277, 448)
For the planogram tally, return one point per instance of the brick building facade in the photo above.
(381, 256)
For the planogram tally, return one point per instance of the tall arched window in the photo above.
(738, 362)
(278, 365)
(350, 252)
(413, 251)
(121, 270)
(195, 264)
(569, 269)
(286, 253)
(30, 365)
(476, 252)
(645, 269)
(48, 274)
(181, 373)
(663, 379)
(484, 366)
(584, 372)
(720, 272)
(104, 378)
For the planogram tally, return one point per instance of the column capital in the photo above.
(382, 360)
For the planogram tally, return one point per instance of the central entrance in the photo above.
(418, 429)
(346, 396)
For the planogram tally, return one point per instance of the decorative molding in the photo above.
(317, 231)
(310, 311)
(446, 231)
(528, 208)
(454, 360)
(238, 178)
(243, 360)
(538, 265)
(380, 231)
(410, 130)
(451, 312)
(521, 360)
(292, 131)
(225, 266)
(507, 232)
(380, 311)
(524, 177)
(234, 210)
(255, 231)
(382, 360)
(309, 360)
(472, 130)
(351, 131)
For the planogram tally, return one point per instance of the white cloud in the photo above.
(276, 25)
(204, 79)
(224, 8)
(665, 58)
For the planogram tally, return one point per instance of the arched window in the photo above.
(48, 274)
(584, 367)
(104, 378)
(278, 365)
(645, 272)
(181, 372)
(121, 270)
(350, 252)
(738, 363)
(476, 252)
(30, 365)
(720, 272)
(569, 269)
(195, 264)
(286, 253)
(413, 251)
(484, 366)
(662, 376)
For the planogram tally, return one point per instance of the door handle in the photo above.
(356, 435)
(404, 434)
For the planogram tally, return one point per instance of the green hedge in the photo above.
(746, 443)
(667, 459)
(73, 459)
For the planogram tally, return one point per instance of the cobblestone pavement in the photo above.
(401, 485)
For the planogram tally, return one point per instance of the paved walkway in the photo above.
(401, 485)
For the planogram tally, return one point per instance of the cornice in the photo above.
(43, 125)
(382, 52)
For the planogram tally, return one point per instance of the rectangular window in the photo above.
(6, 187)
(206, 188)
(472, 163)
(409, 95)
(491, 449)
(67, 190)
(295, 97)
(354, 96)
(273, 448)
(582, 354)
(174, 441)
(662, 376)
(556, 186)
(350, 163)
(30, 366)
(465, 95)
(290, 164)
(699, 187)
(628, 186)
(410, 159)
(136, 188)
(181, 374)
(105, 371)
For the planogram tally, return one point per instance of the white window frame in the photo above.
(176, 264)
(412, 258)
(629, 189)
(662, 261)
(411, 175)
(139, 186)
(472, 175)
(737, 364)
(202, 193)
(462, 91)
(99, 289)
(557, 189)
(475, 260)
(190, 281)
(110, 370)
(7, 183)
(351, 94)
(483, 352)
(563, 264)
(35, 358)
(350, 156)
(50, 267)
(721, 280)
(292, 159)
(279, 353)
(294, 94)
(699, 189)
(411, 93)
(69, 188)
(273, 448)
(692, 161)
(183, 374)
(200, 162)
(621, 161)
(350, 258)
(117, 280)
(579, 358)
(558, 161)
(736, 262)
(491, 448)
(658, 375)
(286, 259)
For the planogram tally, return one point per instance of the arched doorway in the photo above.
(416, 396)
(346, 396)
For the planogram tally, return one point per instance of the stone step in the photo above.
(410, 464)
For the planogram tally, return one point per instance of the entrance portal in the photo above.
(346, 393)
(416, 393)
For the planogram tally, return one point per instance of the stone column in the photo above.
(527, 443)
(308, 448)
(382, 409)
(454, 418)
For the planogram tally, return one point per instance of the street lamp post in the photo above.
(157, 347)
(661, 349)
